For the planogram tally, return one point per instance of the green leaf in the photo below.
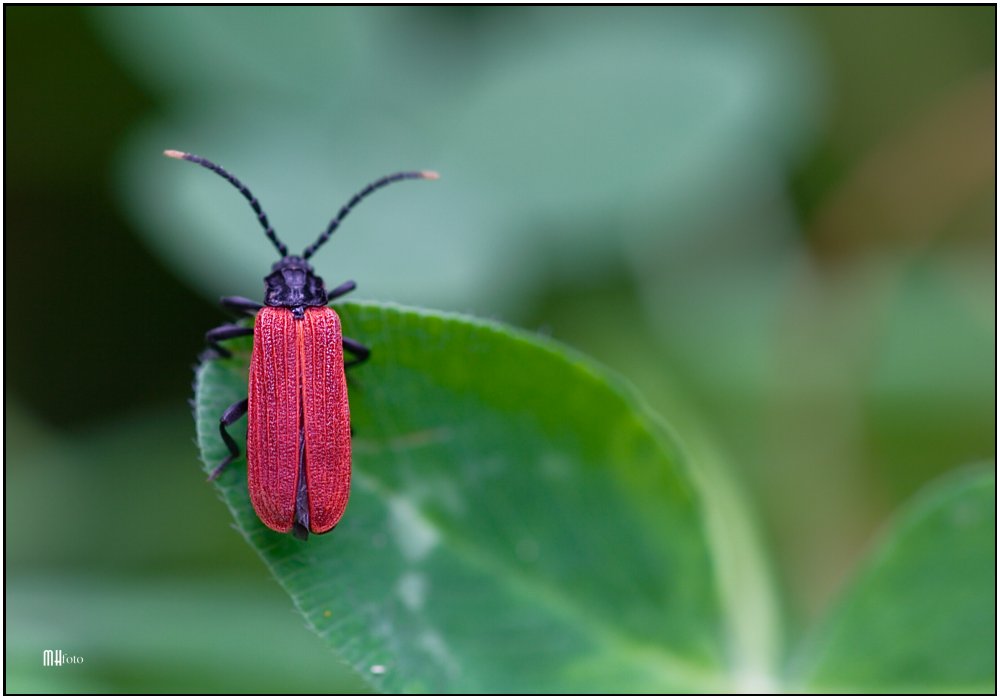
(518, 523)
(921, 616)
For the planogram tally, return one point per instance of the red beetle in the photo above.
(299, 423)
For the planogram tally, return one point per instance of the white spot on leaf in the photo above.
(435, 646)
(412, 589)
(414, 534)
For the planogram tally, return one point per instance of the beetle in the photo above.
(298, 417)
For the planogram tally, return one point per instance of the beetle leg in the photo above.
(225, 332)
(345, 288)
(360, 352)
(233, 413)
(239, 304)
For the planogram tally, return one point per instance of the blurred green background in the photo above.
(778, 223)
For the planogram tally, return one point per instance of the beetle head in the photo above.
(293, 284)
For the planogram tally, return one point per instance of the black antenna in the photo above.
(261, 216)
(356, 199)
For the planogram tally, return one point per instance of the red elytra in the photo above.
(299, 420)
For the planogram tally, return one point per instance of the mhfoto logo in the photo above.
(56, 658)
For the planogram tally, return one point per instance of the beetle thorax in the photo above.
(292, 284)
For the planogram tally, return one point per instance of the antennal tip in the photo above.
(179, 155)
(429, 175)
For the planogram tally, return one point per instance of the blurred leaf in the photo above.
(560, 137)
(604, 110)
(168, 634)
(216, 50)
(842, 390)
(921, 616)
(517, 522)
(322, 55)
(931, 398)
(716, 319)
